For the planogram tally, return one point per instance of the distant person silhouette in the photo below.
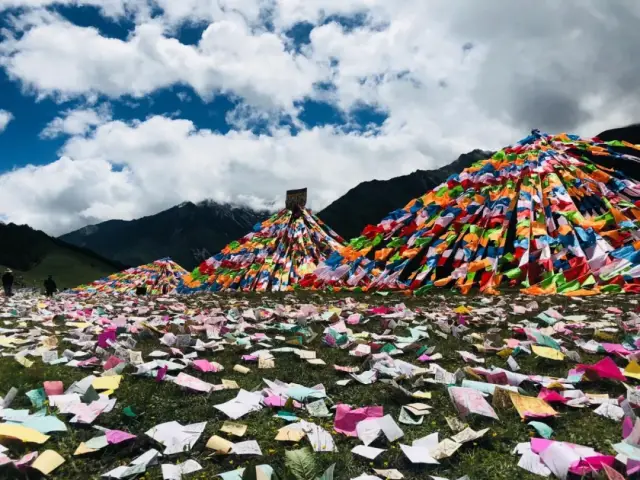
(7, 282)
(141, 289)
(50, 286)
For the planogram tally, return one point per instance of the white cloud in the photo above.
(176, 12)
(55, 57)
(110, 8)
(128, 170)
(5, 118)
(77, 122)
(451, 76)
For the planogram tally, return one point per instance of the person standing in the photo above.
(50, 286)
(7, 282)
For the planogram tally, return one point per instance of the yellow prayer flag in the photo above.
(547, 352)
(419, 394)
(233, 428)
(24, 361)
(632, 370)
(505, 352)
(290, 434)
(25, 434)
(107, 383)
(531, 406)
(230, 384)
(219, 444)
(82, 449)
(80, 325)
(48, 461)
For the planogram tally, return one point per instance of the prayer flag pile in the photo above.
(161, 276)
(274, 257)
(540, 214)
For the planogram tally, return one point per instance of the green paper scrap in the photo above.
(128, 412)
(37, 397)
(543, 429)
(90, 395)
(288, 416)
(388, 347)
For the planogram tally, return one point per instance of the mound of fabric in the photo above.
(159, 277)
(276, 256)
(541, 215)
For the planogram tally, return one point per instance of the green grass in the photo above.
(488, 458)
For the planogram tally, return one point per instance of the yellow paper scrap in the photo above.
(306, 354)
(80, 325)
(6, 342)
(505, 352)
(266, 363)
(219, 444)
(600, 335)
(418, 409)
(25, 434)
(107, 383)
(469, 372)
(24, 361)
(233, 428)
(241, 369)
(462, 310)
(547, 352)
(632, 370)
(48, 461)
(316, 361)
(531, 406)
(420, 394)
(290, 434)
(83, 449)
(555, 386)
(50, 342)
(230, 384)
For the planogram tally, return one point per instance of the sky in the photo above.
(123, 108)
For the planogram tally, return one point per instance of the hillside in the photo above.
(33, 255)
(187, 233)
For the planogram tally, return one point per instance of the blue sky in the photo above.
(123, 108)
(22, 145)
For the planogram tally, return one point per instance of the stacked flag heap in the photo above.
(274, 257)
(539, 214)
(161, 276)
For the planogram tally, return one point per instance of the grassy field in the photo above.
(488, 458)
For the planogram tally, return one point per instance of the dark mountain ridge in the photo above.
(369, 202)
(33, 255)
(187, 233)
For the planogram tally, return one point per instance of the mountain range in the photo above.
(191, 232)
(369, 202)
(188, 233)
